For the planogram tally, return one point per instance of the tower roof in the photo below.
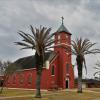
(62, 28)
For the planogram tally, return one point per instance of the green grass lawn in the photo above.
(16, 92)
(52, 95)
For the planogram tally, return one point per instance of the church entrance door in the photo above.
(67, 84)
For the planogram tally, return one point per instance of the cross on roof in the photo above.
(62, 19)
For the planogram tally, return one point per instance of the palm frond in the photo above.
(22, 44)
(32, 30)
(98, 64)
(93, 51)
(75, 47)
(87, 46)
(26, 37)
(25, 46)
(46, 34)
(50, 42)
(96, 73)
(96, 68)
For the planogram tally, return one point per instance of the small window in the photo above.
(58, 38)
(67, 68)
(30, 79)
(53, 71)
(66, 36)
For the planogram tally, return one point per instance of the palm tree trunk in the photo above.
(38, 83)
(39, 65)
(79, 82)
(79, 60)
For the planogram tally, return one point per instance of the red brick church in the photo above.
(57, 72)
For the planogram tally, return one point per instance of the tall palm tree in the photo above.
(98, 69)
(80, 48)
(40, 40)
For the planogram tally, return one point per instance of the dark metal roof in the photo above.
(29, 62)
(62, 28)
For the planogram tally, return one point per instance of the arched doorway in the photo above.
(67, 83)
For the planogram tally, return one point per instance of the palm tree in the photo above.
(98, 68)
(80, 48)
(40, 40)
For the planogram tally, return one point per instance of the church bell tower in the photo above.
(65, 69)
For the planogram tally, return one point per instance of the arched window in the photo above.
(53, 70)
(67, 67)
(14, 79)
(67, 38)
(30, 79)
(21, 79)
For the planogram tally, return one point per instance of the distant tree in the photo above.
(3, 65)
(10, 68)
(40, 40)
(1, 68)
(80, 48)
(98, 69)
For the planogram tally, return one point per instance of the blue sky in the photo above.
(81, 17)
